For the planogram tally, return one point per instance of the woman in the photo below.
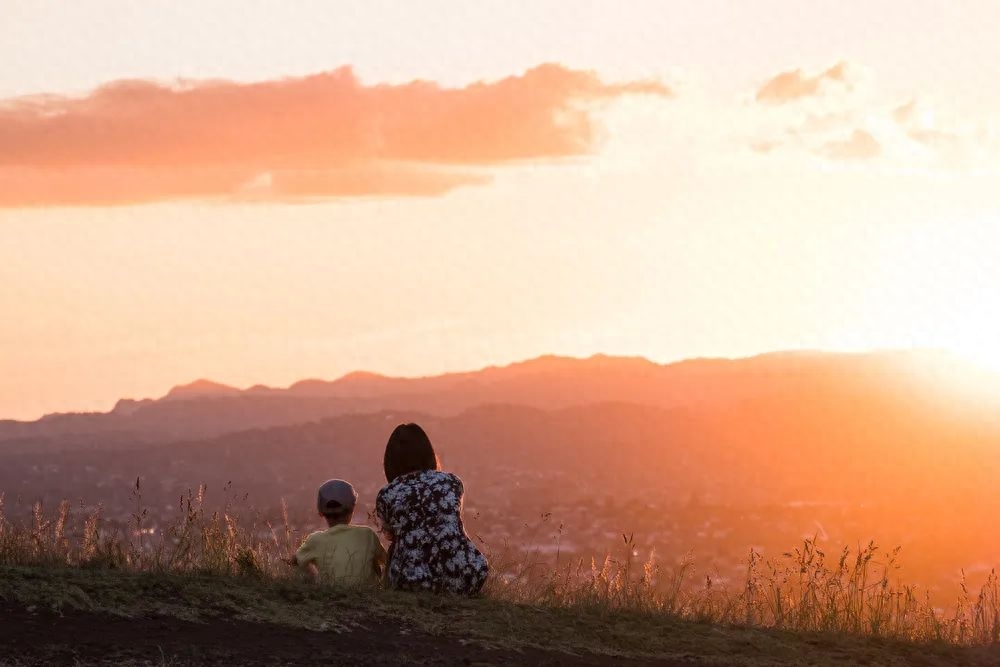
(420, 510)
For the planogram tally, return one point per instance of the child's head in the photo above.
(335, 501)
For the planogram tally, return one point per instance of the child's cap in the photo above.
(336, 495)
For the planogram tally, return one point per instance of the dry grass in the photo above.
(806, 590)
(220, 542)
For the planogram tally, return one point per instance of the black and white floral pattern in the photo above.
(422, 513)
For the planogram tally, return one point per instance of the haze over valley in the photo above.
(705, 458)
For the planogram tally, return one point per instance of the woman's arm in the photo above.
(381, 558)
(382, 518)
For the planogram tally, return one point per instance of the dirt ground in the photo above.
(77, 637)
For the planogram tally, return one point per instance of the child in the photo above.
(343, 554)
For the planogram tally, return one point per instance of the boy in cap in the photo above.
(342, 553)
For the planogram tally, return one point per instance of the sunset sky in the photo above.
(261, 192)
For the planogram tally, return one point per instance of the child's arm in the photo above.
(305, 558)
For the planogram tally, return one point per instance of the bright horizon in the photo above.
(190, 194)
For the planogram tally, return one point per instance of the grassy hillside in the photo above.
(95, 616)
(215, 590)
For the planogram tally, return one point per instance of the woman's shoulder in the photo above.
(419, 479)
(390, 489)
(398, 487)
(442, 478)
(430, 477)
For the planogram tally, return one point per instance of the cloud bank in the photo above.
(325, 135)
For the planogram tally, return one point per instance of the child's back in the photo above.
(344, 554)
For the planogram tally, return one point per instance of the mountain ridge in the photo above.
(204, 407)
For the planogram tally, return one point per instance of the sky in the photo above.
(262, 192)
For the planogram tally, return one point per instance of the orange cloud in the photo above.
(795, 84)
(919, 125)
(321, 135)
(861, 145)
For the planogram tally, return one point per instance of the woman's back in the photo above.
(430, 550)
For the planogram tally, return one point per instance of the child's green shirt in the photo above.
(344, 554)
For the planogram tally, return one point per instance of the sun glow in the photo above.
(935, 288)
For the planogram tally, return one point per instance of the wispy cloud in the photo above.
(861, 145)
(836, 115)
(796, 84)
(323, 135)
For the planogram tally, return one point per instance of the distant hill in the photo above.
(200, 389)
(204, 408)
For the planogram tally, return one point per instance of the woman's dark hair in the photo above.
(408, 450)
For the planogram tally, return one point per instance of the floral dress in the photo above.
(429, 550)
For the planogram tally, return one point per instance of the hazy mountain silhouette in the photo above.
(204, 408)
